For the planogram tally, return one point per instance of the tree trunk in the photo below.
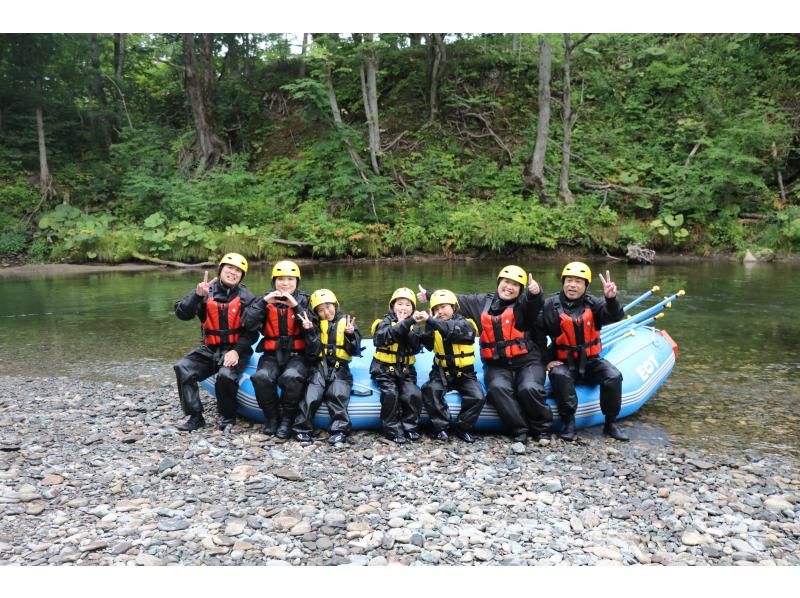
(437, 58)
(45, 179)
(302, 72)
(569, 119)
(369, 89)
(563, 185)
(119, 103)
(99, 93)
(543, 124)
(199, 82)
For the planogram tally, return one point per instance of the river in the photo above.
(735, 384)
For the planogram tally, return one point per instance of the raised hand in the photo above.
(305, 321)
(350, 326)
(280, 297)
(423, 293)
(533, 286)
(609, 288)
(204, 286)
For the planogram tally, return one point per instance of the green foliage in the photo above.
(690, 131)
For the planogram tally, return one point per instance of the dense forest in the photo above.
(182, 146)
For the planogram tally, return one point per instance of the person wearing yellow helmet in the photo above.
(332, 340)
(282, 364)
(573, 318)
(220, 305)
(396, 341)
(451, 337)
(513, 369)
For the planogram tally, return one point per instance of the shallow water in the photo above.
(738, 328)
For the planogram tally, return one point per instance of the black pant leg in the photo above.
(292, 382)
(410, 401)
(472, 401)
(500, 392)
(389, 387)
(193, 367)
(265, 385)
(227, 387)
(337, 397)
(315, 392)
(529, 384)
(603, 372)
(433, 392)
(563, 384)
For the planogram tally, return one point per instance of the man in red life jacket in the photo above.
(283, 362)
(513, 370)
(219, 304)
(573, 319)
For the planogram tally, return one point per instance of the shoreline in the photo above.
(95, 473)
(26, 269)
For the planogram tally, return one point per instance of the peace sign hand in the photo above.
(609, 288)
(204, 286)
(350, 327)
(533, 286)
(305, 320)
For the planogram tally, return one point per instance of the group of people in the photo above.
(307, 343)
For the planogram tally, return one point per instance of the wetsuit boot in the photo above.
(611, 428)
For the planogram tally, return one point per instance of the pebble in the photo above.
(165, 497)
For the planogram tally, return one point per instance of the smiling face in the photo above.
(285, 284)
(443, 311)
(507, 289)
(574, 287)
(402, 308)
(326, 311)
(230, 276)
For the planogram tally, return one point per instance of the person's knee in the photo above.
(228, 375)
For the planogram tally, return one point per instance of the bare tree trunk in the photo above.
(199, 82)
(778, 172)
(99, 92)
(45, 179)
(302, 72)
(437, 58)
(369, 89)
(337, 119)
(119, 56)
(568, 119)
(119, 103)
(543, 124)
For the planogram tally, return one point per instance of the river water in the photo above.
(735, 384)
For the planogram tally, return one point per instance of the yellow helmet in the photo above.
(514, 273)
(404, 293)
(322, 296)
(233, 259)
(443, 296)
(578, 270)
(286, 268)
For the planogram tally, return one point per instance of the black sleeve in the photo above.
(527, 309)
(607, 311)
(457, 330)
(249, 334)
(352, 342)
(471, 306)
(388, 332)
(191, 306)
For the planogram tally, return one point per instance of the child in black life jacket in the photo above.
(451, 337)
(332, 340)
(396, 343)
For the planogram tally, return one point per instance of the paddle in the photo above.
(638, 300)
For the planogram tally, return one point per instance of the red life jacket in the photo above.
(223, 322)
(500, 339)
(281, 330)
(579, 337)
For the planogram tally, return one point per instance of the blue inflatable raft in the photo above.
(645, 355)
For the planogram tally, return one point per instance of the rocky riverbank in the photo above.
(95, 473)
